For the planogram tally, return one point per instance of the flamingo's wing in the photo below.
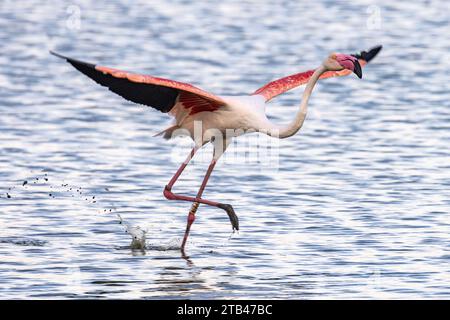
(277, 87)
(161, 94)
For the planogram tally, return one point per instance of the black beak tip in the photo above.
(357, 69)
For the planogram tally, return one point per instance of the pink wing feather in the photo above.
(191, 97)
(159, 93)
(277, 87)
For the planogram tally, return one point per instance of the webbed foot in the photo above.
(231, 214)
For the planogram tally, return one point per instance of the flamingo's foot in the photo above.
(231, 214)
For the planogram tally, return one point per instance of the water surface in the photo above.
(357, 205)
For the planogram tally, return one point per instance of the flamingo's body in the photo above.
(220, 117)
(239, 113)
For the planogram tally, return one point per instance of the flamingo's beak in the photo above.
(350, 63)
(357, 68)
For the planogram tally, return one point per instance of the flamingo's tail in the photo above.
(167, 133)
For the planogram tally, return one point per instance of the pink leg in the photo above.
(181, 169)
(197, 200)
(191, 216)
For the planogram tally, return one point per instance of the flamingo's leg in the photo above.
(180, 170)
(197, 200)
(227, 207)
(194, 207)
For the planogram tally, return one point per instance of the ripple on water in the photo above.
(356, 205)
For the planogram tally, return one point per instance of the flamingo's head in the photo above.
(339, 61)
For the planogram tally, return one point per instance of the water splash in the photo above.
(138, 235)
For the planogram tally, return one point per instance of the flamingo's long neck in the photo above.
(296, 124)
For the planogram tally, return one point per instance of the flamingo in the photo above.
(190, 106)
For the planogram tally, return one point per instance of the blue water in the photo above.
(357, 204)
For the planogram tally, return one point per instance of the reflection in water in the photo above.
(355, 206)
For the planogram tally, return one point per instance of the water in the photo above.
(358, 206)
